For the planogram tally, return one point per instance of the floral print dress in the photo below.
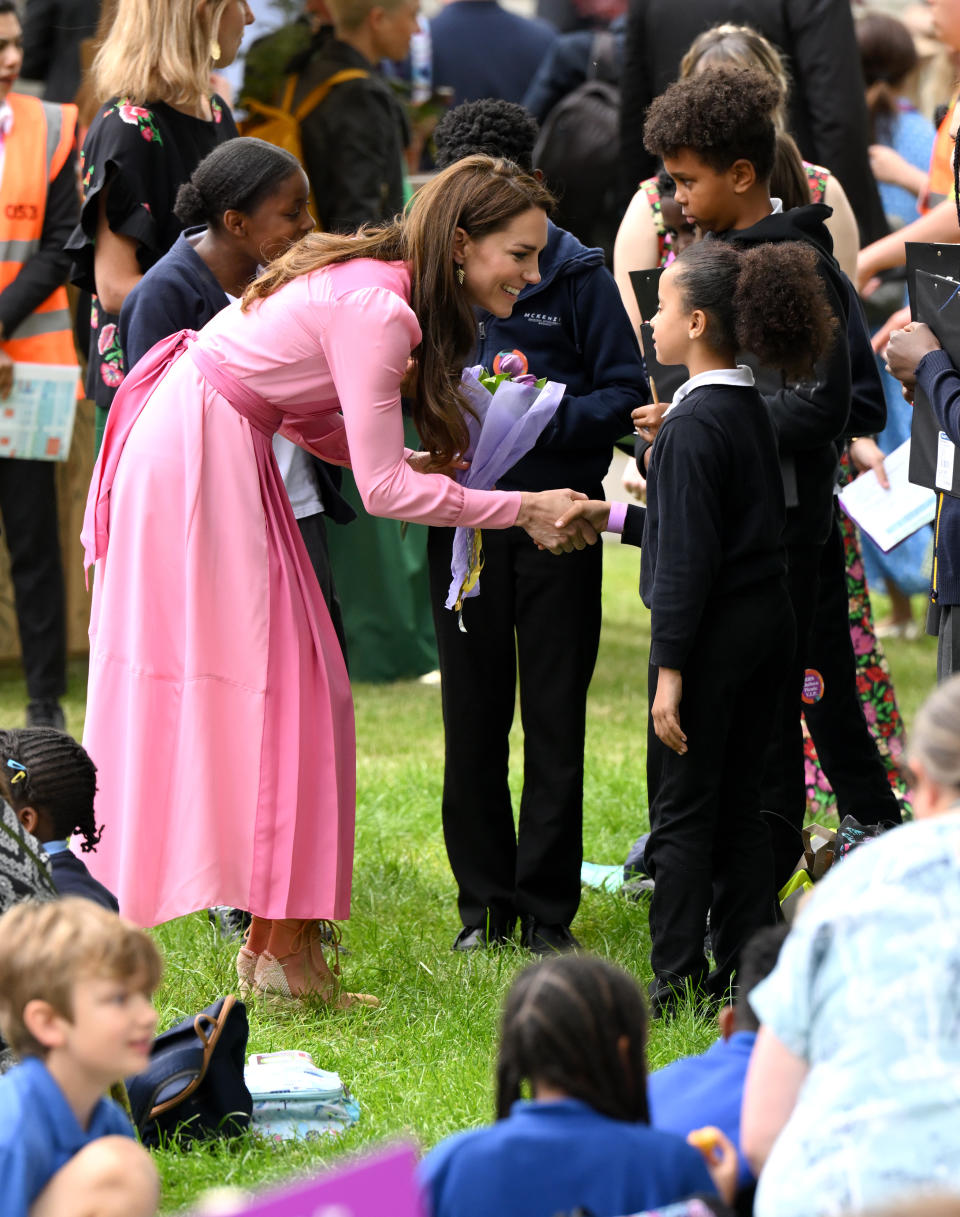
(144, 153)
(874, 683)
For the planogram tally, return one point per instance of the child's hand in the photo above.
(647, 419)
(666, 710)
(721, 1158)
(634, 483)
(594, 511)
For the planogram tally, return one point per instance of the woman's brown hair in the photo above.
(477, 194)
(888, 56)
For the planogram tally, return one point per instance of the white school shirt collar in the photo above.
(741, 376)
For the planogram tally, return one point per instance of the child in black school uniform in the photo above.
(50, 782)
(712, 576)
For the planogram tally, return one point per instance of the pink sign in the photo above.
(383, 1185)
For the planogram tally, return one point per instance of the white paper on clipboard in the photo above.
(36, 420)
(889, 516)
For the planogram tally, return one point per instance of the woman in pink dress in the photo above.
(218, 707)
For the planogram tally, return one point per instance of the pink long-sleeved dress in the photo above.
(218, 707)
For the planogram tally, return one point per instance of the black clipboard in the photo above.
(935, 300)
(667, 378)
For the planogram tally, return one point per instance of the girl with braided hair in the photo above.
(50, 782)
(574, 1033)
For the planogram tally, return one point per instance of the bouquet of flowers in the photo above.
(511, 409)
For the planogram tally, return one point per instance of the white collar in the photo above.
(777, 206)
(741, 376)
(6, 119)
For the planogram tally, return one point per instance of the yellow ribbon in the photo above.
(474, 568)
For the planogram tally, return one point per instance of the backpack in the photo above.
(579, 151)
(193, 1086)
(280, 125)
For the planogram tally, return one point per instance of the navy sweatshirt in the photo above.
(715, 514)
(940, 381)
(571, 327)
(809, 418)
(180, 292)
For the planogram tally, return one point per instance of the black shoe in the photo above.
(477, 938)
(666, 997)
(46, 712)
(544, 939)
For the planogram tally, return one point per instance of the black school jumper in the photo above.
(712, 575)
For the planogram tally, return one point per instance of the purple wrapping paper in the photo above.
(508, 424)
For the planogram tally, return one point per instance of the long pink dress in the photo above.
(218, 707)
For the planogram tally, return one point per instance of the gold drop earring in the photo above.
(461, 275)
(214, 50)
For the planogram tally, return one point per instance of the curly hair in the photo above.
(52, 773)
(723, 115)
(564, 1022)
(768, 300)
(488, 127)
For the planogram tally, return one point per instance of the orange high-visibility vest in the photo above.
(36, 150)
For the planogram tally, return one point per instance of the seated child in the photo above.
(75, 986)
(574, 1031)
(708, 1089)
(50, 782)
(712, 576)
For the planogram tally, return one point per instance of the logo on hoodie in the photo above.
(547, 319)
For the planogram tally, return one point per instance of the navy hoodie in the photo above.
(809, 418)
(571, 327)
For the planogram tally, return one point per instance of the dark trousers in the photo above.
(313, 529)
(537, 615)
(28, 504)
(709, 849)
(847, 751)
(784, 788)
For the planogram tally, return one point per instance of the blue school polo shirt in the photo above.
(39, 1133)
(706, 1089)
(552, 1157)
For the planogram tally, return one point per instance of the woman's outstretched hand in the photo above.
(540, 514)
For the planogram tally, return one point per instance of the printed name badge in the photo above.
(812, 687)
(946, 455)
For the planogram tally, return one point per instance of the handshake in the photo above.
(561, 520)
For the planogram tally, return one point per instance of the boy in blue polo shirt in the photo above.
(75, 986)
(708, 1089)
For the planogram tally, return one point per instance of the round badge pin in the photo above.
(812, 687)
(501, 355)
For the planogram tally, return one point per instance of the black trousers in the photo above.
(784, 789)
(313, 529)
(847, 751)
(28, 504)
(709, 848)
(537, 615)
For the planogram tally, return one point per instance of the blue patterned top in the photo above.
(912, 135)
(867, 991)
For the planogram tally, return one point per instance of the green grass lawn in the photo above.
(421, 1064)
